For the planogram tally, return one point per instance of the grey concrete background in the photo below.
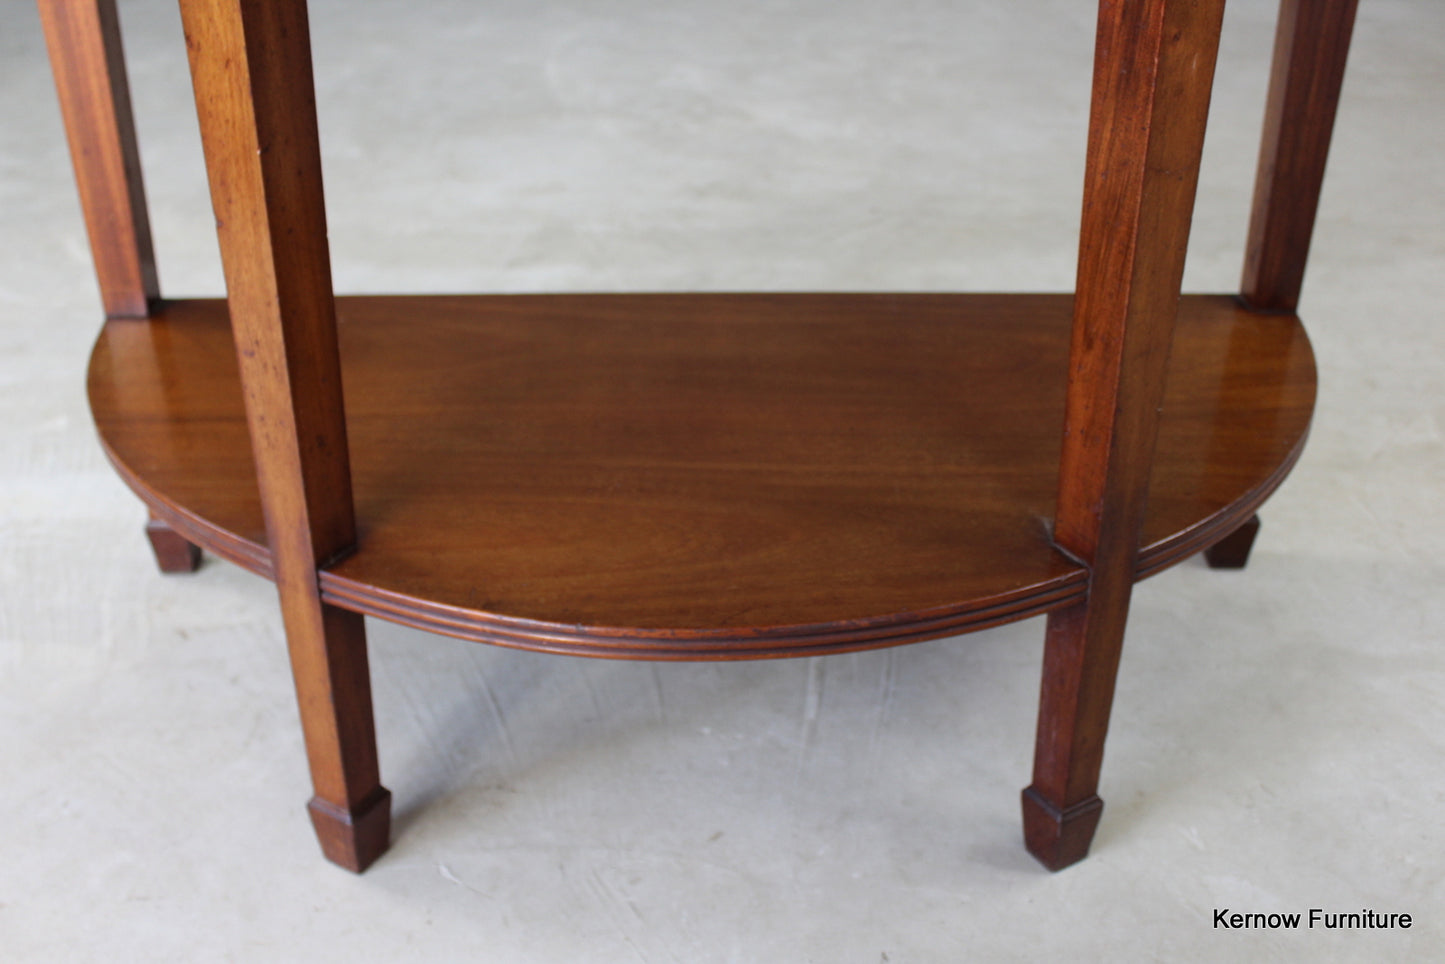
(1277, 737)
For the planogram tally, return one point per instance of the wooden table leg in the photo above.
(1153, 71)
(1232, 552)
(251, 68)
(83, 37)
(174, 554)
(1310, 48)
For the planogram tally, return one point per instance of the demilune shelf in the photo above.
(700, 475)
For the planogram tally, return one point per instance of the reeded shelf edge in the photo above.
(1155, 558)
(690, 643)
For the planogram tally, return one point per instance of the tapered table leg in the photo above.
(1311, 45)
(1153, 70)
(83, 37)
(251, 68)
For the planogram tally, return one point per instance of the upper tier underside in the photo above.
(704, 475)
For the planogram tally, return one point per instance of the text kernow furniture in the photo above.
(702, 476)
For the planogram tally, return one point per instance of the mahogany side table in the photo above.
(702, 476)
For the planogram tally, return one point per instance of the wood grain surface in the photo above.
(1153, 75)
(83, 38)
(705, 476)
(251, 71)
(1312, 43)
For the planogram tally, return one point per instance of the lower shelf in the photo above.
(704, 475)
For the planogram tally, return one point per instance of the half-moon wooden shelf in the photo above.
(704, 475)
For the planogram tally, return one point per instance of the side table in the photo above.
(702, 476)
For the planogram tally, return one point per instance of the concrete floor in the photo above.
(1277, 738)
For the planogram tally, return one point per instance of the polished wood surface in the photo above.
(705, 475)
(1311, 45)
(251, 67)
(1153, 73)
(83, 37)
